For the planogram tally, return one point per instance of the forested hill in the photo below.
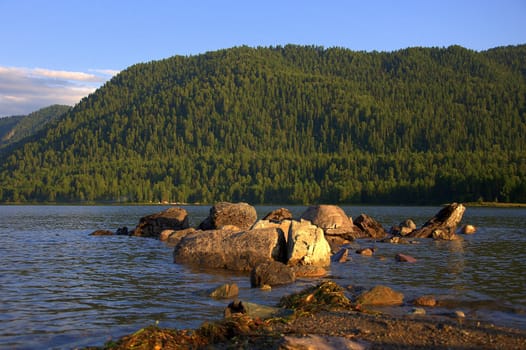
(15, 128)
(289, 124)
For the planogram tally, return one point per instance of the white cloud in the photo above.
(24, 90)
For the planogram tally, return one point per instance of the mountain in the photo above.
(15, 128)
(293, 124)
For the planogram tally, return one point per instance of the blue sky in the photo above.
(57, 51)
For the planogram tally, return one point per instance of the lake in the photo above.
(62, 288)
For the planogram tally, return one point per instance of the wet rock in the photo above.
(241, 215)
(278, 215)
(307, 245)
(366, 251)
(395, 240)
(405, 258)
(231, 250)
(444, 235)
(226, 291)
(174, 218)
(341, 255)
(309, 271)
(271, 273)
(380, 296)
(468, 229)
(250, 309)
(101, 233)
(446, 220)
(370, 226)
(426, 300)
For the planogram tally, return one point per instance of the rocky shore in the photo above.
(278, 249)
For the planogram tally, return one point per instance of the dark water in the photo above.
(61, 288)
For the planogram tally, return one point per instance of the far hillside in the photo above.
(14, 129)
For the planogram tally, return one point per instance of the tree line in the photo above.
(291, 124)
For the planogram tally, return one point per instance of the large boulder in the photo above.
(446, 220)
(307, 245)
(231, 250)
(241, 215)
(370, 226)
(174, 218)
(332, 219)
(284, 225)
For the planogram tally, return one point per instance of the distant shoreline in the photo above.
(495, 204)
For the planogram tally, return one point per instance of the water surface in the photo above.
(61, 288)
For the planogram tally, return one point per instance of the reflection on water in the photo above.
(60, 287)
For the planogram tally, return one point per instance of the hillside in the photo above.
(14, 129)
(289, 124)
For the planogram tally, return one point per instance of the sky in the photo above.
(58, 51)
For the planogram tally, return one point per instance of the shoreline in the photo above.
(330, 320)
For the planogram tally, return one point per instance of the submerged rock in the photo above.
(101, 233)
(271, 273)
(226, 291)
(380, 296)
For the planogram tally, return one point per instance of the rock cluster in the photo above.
(279, 248)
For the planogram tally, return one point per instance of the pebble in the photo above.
(417, 311)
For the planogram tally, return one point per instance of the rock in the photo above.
(405, 258)
(395, 240)
(284, 226)
(459, 314)
(418, 311)
(309, 271)
(366, 251)
(408, 223)
(426, 300)
(307, 245)
(446, 220)
(176, 236)
(241, 215)
(101, 233)
(238, 251)
(370, 226)
(320, 342)
(122, 231)
(163, 236)
(333, 220)
(271, 273)
(341, 255)
(336, 242)
(380, 296)
(278, 215)
(226, 291)
(444, 235)
(468, 229)
(174, 218)
(251, 309)
(265, 288)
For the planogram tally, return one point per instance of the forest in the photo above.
(288, 124)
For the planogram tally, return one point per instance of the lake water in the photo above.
(62, 288)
